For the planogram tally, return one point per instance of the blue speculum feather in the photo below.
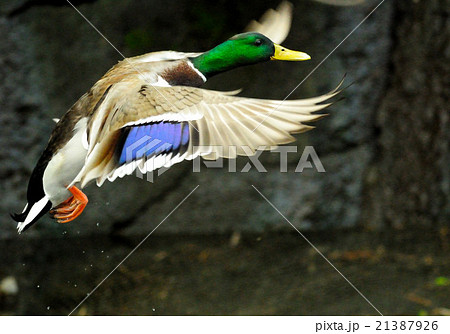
(152, 139)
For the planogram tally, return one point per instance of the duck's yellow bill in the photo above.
(281, 53)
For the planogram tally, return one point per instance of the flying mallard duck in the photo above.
(148, 112)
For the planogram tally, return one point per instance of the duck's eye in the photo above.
(258, 42)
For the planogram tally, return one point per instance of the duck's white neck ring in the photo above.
(197, 71)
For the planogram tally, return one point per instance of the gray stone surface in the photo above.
(51, 56)
(409, 182)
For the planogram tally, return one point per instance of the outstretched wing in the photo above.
(275, 23)
(150, 127)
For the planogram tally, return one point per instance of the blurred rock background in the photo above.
(385, 147)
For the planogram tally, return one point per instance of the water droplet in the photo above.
(98, 224)
(75, 285)
(102, 251)
(48, 307)
(38, 286)
(153, 310)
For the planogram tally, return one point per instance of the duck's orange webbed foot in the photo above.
(70, 208)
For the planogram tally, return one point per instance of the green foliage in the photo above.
(422, 312)
(442, 281)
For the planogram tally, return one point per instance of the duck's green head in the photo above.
(243, 49)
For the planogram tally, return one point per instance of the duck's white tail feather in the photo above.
(32, 213)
